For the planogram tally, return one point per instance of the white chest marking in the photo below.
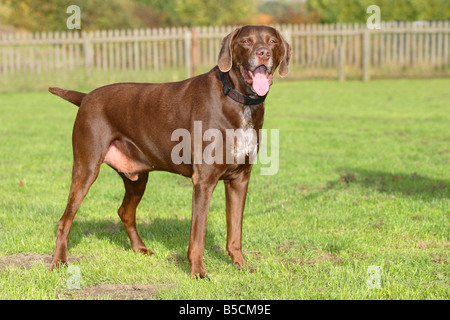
(247, 118)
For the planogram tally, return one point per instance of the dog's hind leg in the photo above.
(89, 149)
(134, 191)
(83, 176)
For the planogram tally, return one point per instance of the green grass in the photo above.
(363, 181)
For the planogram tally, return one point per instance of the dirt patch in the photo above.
(349, 177)
(288, 245)
(114, 292)
(422, 244)
(178, 259)
(312, 254)
(325, 256)
(441, 259)
(316, 259)
(111, 291)
(27, 260)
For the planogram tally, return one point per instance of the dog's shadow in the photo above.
(171, 233)
(411, 185)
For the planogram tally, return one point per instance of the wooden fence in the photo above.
(86, 59)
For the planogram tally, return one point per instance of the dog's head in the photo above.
(255, 52)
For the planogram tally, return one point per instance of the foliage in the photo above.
(284, 11)
(43, 15)
(215, 12)
(332, 11)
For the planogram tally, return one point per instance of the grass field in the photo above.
(363, 184)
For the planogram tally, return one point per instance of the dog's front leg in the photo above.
(201, 197)
(236, 192)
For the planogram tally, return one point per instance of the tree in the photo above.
(44, 15)
(332, 11)
(287, 11)
(215, 12)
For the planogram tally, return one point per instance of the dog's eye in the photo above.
(273, 41)
(245, 41)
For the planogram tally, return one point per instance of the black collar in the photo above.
(236, 96)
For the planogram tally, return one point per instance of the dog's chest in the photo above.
(247, 118)
(246, 142)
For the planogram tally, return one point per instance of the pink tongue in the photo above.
(260, 82)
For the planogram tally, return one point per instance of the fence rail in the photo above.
(74, 58)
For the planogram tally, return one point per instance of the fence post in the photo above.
(188, 52)
(341, 51)
(366, 55)
(194, 50)
(341, 62)
(88, 53)
(286, 31)
(136, 52)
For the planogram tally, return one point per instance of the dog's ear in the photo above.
(225, 61)
(286, 56)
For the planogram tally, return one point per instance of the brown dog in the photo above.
(130, 127)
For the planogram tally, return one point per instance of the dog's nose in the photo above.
(263, 53)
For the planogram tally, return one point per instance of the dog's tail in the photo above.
(74, 97)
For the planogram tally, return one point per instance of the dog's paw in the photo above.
(57, 263)
(146, 252)
(199, 275)
(198, 271)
